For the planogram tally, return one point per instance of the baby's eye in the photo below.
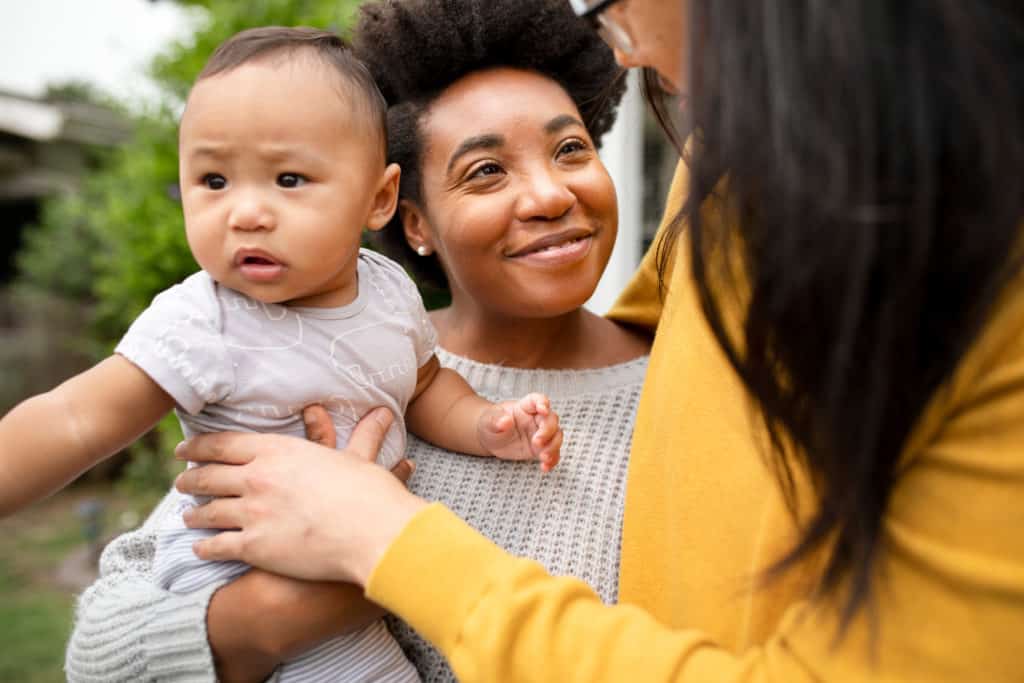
(214, 181)
(290, 180)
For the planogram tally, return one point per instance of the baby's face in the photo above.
(278, 176)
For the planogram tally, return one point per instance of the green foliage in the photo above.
(119, 239)
(151, 467)
(178, 67)
(34, 625)
(43, 564)
(113, 245)
(138, 222)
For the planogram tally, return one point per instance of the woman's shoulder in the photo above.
(999, 344)
(981, 406)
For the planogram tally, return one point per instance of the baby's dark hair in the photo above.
(268, 41)
(415, 49)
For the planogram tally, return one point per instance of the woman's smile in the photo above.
(555, 250)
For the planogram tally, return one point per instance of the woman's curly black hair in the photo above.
(415, 49)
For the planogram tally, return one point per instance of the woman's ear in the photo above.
(417, 228)
(385, 199)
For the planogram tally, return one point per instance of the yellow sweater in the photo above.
(704, 515)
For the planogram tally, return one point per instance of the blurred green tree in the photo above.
(107, 249)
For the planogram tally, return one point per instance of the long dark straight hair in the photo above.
(871, 156)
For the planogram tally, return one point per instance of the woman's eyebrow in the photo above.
(486, 141)
(563, 121)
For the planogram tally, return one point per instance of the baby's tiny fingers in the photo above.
(527, 405)
(555, 445)
(540, 404)
(548, 461)
(534, 404)
(543, 405)
(546, 428)
(551, 455)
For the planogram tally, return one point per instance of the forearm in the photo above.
(41, 450)
(261, 620)
(50, 439)
(447, 413)
(503, 615)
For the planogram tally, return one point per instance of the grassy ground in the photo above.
(38, 581)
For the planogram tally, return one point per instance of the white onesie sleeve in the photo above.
(401, 291)
(177, 342)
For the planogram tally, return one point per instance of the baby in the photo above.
(282, 165)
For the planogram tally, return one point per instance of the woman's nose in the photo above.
(251, 212)
(545, 197)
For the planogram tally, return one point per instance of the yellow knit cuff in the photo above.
(434, 574)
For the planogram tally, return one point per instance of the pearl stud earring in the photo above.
(423, 250)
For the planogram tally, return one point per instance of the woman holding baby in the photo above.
(826, 480)
(506, 204)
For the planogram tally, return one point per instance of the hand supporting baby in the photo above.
(524, 429)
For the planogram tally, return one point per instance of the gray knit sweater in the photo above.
(128, 629)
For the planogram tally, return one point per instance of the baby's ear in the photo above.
(385, 199)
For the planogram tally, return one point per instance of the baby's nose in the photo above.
(250, 212)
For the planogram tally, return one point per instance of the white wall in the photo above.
(623, 154)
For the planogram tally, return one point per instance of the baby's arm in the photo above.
(447, 412)
(48, 440)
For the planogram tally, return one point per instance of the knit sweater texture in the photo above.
(569, 520)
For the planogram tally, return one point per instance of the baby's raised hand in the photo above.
(526, 429)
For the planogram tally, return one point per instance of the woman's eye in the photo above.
(486, 170)
(290, 180)
(214, 181)
(571, 147)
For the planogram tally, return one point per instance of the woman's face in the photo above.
(515, 200)
(657, 29)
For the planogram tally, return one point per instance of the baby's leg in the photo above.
(368, 655)
(176, 567)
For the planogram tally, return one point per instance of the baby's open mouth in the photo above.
(258, 266)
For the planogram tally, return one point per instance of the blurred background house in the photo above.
(44, 141)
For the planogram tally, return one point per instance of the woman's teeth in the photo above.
(560, 245)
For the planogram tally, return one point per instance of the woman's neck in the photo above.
(575, 340)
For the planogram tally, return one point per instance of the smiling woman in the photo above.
(496, 126)
(515, 201)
